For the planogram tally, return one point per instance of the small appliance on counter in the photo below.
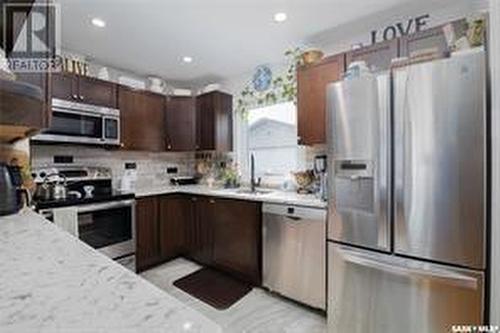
(128, 182)
(320, 172)
(11, 190)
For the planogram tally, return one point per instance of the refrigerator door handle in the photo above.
(449, 277)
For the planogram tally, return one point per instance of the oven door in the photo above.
(108, 227)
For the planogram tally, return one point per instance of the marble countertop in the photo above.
(52, 282)
(275, 196)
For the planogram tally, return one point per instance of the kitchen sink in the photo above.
(249, 191)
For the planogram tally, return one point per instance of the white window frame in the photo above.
(241, 146)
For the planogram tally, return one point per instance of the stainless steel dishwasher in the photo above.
(294, 253)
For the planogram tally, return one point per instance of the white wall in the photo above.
(495, 214)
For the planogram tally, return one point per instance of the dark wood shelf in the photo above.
(21, 110)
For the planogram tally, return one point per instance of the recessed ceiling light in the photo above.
(280, 17)
(98, 22)
(187, 59)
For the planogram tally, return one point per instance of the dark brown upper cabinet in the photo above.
(181, 124)
(142, 116)
(377, 56)
(214, 121)
(97, 92)
(82, 89)
(64, 86)
(311, 97)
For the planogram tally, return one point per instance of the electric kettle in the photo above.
(10, 190)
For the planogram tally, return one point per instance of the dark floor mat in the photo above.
(213, 287)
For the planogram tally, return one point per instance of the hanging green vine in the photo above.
(283, 87)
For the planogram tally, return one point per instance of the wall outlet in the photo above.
(130, 165)
(172, 170)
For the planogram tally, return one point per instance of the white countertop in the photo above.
(275, 196)
(52, 282)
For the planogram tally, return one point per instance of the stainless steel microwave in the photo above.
(81, 123)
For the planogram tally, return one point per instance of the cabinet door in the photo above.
(181, 124)
(237, 238)
(223, 122)
(199, 233)
(142, 120)
(377, 57)
(205, 122)
(190, 234)
(147, 244)
(64, 86)
(97, 92)
(311, 85)
(175, 210)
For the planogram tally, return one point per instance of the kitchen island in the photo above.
(50, 281)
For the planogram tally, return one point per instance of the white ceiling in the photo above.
(224, 37)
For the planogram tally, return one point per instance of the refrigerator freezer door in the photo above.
(358, 151)
(440, 160)
(371, 292)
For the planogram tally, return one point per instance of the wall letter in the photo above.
(421, 22)
(390, 33)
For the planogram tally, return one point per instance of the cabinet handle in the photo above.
(75, 96)
(194, 199)
(81, 98)
(212, 201)
(169, 147)
(122, 145)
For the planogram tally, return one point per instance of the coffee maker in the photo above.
(320, 168)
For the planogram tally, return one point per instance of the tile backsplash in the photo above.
(151, 167)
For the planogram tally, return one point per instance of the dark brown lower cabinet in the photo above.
(222, 233)
(199, 232)
(175, 210)
(237, 238)
(147, 242)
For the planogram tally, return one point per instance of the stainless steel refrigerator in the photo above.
(407, 207)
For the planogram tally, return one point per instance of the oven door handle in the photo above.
(105, 205)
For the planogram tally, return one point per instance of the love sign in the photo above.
(400, 29)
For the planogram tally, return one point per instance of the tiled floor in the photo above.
(259, 311)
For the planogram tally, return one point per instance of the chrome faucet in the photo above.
(253, 182)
